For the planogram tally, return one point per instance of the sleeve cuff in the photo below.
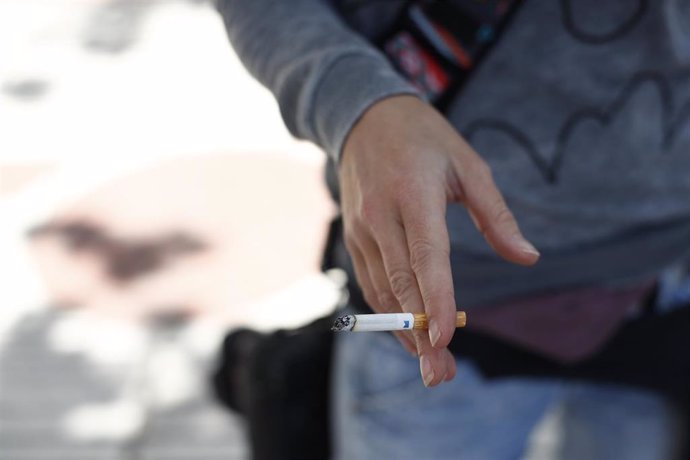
(351, 85)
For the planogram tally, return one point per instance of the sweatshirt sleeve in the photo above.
(323, 74)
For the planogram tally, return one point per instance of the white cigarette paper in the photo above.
(375, 322)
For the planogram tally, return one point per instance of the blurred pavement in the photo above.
(60, 405)
(135, 114)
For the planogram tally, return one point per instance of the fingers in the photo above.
(492, 216)
(402, 259)
(436, 364)
(426, 237)
(374, 283)
(401, 163)
(387, 278)
(407, 341)
(385, 300)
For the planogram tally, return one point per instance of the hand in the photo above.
(401, 164)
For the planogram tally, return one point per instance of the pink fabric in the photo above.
(568, 326)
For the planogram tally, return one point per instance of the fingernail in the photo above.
(434, 332)
(426, 370)
(527, 247)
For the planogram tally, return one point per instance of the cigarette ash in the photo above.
(344, 323)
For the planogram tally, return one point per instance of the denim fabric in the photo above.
(383, 411)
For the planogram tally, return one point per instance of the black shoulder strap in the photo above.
(434, 44)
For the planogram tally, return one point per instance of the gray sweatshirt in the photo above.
(582, 110)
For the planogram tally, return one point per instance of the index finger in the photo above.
(491, 215)
(424, 222)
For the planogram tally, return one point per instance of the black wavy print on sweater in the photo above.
(617, 30)
(550, 165)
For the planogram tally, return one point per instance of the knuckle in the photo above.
(501, 218)
(437, 298)
(477, 173)
(482, 170)
(369, 211)
(422, 253)
(405, 188)
(503, 215)
(355, 234)
(402, 283)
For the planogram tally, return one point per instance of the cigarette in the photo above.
(388, 322)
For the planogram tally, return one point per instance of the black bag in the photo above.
(280, 382)
(649, 352)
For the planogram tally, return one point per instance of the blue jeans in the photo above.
(383, 411)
